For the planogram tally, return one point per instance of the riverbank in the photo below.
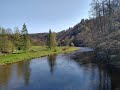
(33, 52)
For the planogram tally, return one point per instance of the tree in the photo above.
(25, 38)
(3, 40)
(102, 35)
(6, 46)
(17, 38)
(51, 40)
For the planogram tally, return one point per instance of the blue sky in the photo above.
(42, 15)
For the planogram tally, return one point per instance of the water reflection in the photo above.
(82, 57)
(69, 72)
(26, 72)
(115, 79)
(5, 74)
(52, 62)
(14, 74)
(100, 76)
(85, 59)
(23, 71)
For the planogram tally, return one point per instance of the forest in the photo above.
(101, 31)
(14, 40)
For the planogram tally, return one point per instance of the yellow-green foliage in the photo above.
(33, 52)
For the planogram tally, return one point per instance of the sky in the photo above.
(42, 15)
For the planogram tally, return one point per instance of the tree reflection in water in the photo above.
(52, 63)
(16, 72)
(106, 80)
(68, 72)
(5, 74)
(26, 72)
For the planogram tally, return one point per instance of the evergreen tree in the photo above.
(51, 40)
(25, 38)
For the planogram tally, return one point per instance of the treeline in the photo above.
(20, 40)
(12, 41)
(102, 31)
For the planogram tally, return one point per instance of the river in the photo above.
(70, 71)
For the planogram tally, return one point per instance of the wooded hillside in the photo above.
(101, 31)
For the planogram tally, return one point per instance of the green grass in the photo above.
(33, 52)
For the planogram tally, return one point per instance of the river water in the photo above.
(73, 71)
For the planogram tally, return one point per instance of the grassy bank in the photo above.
(33, 52)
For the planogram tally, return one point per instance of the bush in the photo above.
(55, 50)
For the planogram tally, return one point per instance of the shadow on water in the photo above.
(74, 71)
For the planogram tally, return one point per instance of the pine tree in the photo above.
(51, 40)
(25, 38)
